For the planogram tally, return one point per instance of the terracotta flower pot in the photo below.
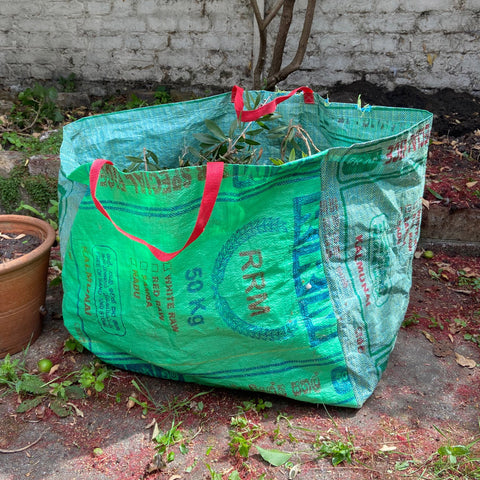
(23, 285)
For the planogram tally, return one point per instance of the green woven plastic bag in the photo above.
(290, 279)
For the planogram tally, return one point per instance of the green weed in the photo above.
(69, 83)
(36, 106)
(164, 440)
(162, 95)
(174, 407)
(51, 218)
(413, 319)
(33, 145)
(468, 281)
(33, 390)
(73, 345)
(242, 435)
(452, 461)
(475, 338)
(435, 323)
(257, 406)
(94, 376)
(337, 450)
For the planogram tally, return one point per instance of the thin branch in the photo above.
(270, 16)
(256, 11)
(262, 31)
(279, 49)
(302, 47)
(16, 450)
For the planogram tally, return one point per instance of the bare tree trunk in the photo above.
(262, 24)
(279, 49)
(276, 73)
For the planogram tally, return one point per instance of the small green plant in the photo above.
(36, 106)
(115, 104)
(468, 281)
(133, 101)
(33, 145)
(72, 345)
(94, 376)
(337, 450)
(475, 338)
(435, 323)
(413, 319)
(456, 461)
(214, 475)
(162, 95)
(167, 439)
(10, 372)
(242, 435)
(257, 406)
(460, 322)
(69, 83)
(173, 407)
(33, 390)
(52, 219)
(435, 275)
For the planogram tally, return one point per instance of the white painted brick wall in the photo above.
(209, 43)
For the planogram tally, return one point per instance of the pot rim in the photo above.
(41, 226)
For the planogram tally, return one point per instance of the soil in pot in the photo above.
(13, 246)
(25, 244)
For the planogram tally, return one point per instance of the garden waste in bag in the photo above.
(291, 279)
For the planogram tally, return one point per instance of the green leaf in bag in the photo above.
(292, 155)
(205, 138)
(215, 129)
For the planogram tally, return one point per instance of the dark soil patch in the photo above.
(14, 246)
(453, 171)
(455, 113)
(445, 298)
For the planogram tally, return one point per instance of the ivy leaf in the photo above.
(274, 457)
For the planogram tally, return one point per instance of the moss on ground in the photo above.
(33, 190)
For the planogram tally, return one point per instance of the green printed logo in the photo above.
(379, 256)
(107, 292)
(358, 163)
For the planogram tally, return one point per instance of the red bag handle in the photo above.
(252, 115)
(213, 180)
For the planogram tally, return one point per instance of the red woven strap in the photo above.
(270, 107)
(213, 181)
